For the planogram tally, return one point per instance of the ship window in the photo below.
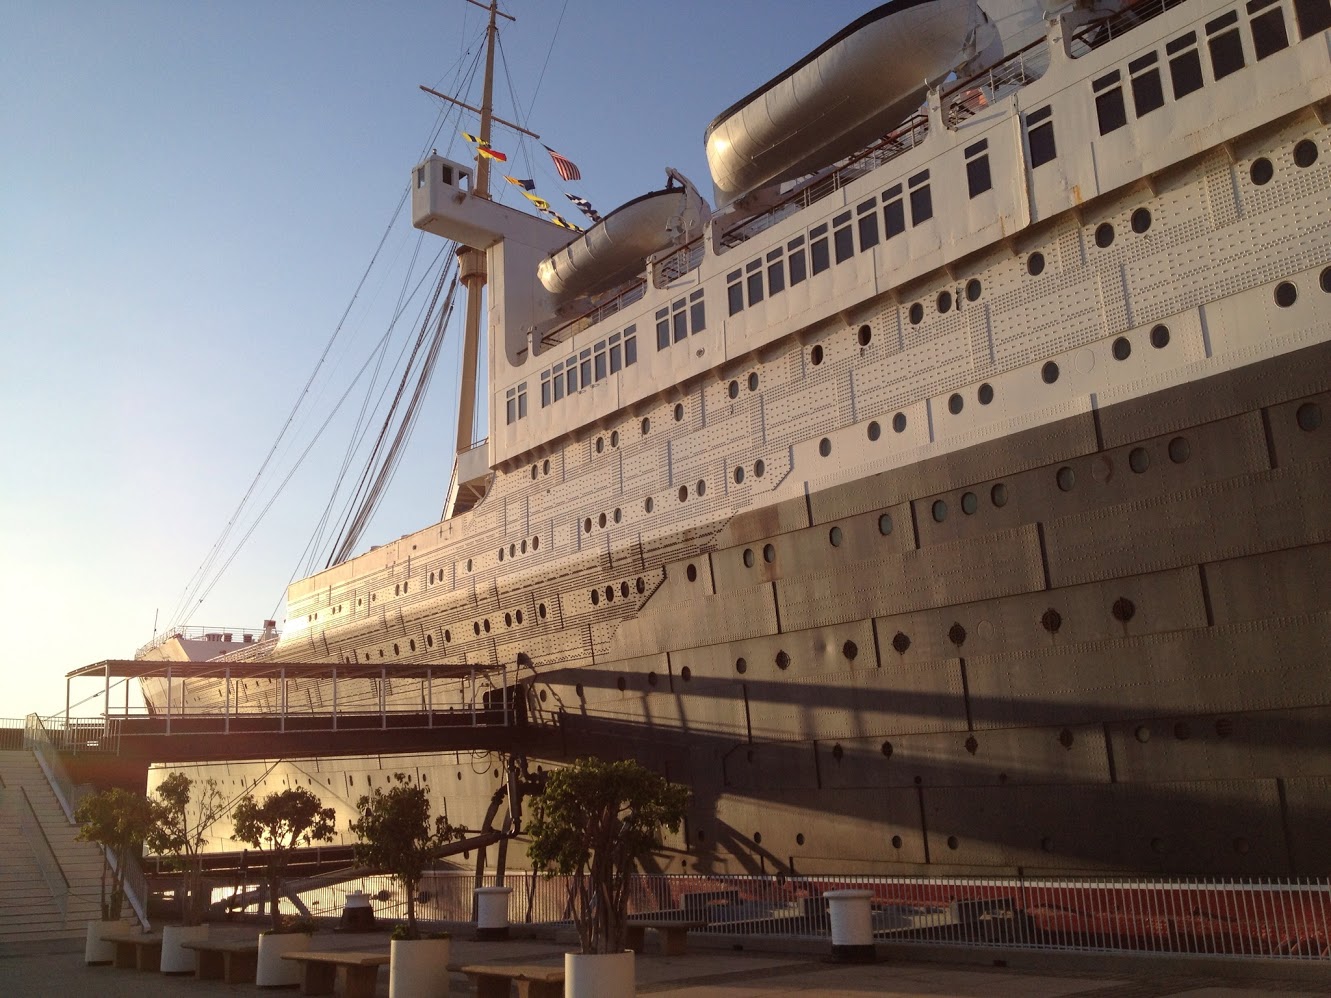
(1225, 44)
(754, 281)
(1109, 108)
(522, 400)
(420, 176)
(1313, 16)
(697, 312)
(600, 361)
(663, 329)
(1147, 93)
(559, 381)
(630, 345)
(843, 239)
(1185, 65)
(894, 213)
(1040, 134)
(545, 389)
(776, 275)
(447, 173)
(921, 201)
(571, 374)
(616, 356)
(868, 224)
(978, 178)
(818, 257)
(1268, 29)
(735, 292)
(511, 407)
(679, 320)
(586, 368)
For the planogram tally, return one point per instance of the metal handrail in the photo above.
(47, 861)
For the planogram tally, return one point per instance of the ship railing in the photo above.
(621, 299)
(196, 632)
(1287, 919)
(669, 269)
(1091, 36)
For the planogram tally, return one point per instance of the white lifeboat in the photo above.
(857, 86)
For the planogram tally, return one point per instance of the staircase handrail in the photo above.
(47, 861)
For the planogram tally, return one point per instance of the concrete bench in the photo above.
(674, 932)
(319, 972)
(232, 962)
(493, 980)
(136, 951)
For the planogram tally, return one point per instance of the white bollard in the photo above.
(852, 925)
(492, 913)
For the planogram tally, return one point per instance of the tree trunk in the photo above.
(272, 903)
(411, 909)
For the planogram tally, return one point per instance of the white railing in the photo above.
(47, 861)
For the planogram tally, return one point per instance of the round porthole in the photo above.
(939, 511)
(782, 660)
(985, 394)
(1104, 235)
(1308, 416)
(1160, 337)
(534, 470)
(998, 495)
(875, 431)
(916, 314)
(468, 564)
(1035, 264)
(1141, 220)
(702, 488)
(955, 404)
(1066, 478)
(759, 468)
(1179, 450)
(1049, 373)
(899, 423)
(601, 521)
(1122, 348)
(640, 585)
(614, 438)
(683, 493)
(600, 445)
(748, 557)
(864, 336)
(741, 666)
(1139, 459)
(944, 301)
(646, 426)
(733, 390)
(1305, 153)
(769, 553)
(753, 381)
(885, 524)
(825, 447)
(587, 525)
(524, 545)
(648, 504)
(969, 503)
(816, 355)
(545, 466)
(834, 537)
(540, 611)
(1261, 171)
(596, 597)
(1286, 294)
(1325, 280)
(739, 475)
(535, 542)
(973, 289)
(679, 412)
(619, 515)
(692, 573)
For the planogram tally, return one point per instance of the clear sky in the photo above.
(189, 194)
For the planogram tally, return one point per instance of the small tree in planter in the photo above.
(181, 820)
(596, 821)
(281, 824)
(398, 836)
(118, 821)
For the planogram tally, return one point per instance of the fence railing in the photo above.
(1281, 919)
(47, 861)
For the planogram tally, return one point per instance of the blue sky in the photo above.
(189, 194)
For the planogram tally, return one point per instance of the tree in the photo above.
(596, 820)
(118, 821)
(282, 823)
(398, 836)
(180, 827)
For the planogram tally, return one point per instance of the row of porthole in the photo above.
(602, 520)
(759, 469)
(863, 336)
(514, 550)
(850, 650)
(1158, 844)
(944, 301)
(1122, 610)
(411, 646)
(1287, 292)
(622, 683)
(1261, 171)
(639, 585)
(733, 390)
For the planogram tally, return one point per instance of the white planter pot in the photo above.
(418, 968)
(175, 958)
(492, 913)
(599, 975)
(272, 970)
(851, 915)
(94, 950)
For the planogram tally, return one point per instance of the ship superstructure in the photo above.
(958, 503)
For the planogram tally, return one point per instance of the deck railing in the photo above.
(47, 861)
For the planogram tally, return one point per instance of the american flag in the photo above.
(566, 167)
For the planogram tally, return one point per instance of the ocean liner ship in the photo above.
(949, 493)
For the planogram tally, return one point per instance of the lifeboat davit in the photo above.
(854, 88)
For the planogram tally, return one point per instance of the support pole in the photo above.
(227, 725)
(282, 708)
(168, 699)
(383, 713)
(335, 698)
(473, 697)
(429, 698)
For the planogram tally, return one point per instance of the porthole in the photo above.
(899, 423)
(641, 585)
(1049, 373)
(540, 611)
(468, 564)
(1035, 264)
(1104, 235)
(739, 475)
(647, 504)
(1142, 734)
(622, 684)
(623, 591)
(1123, 610)
(1051, 620)
(865, 335)
(851, 650)
(769, 553)
(508, 620)
(544, 696)
(614, 438)
(683, 493)
(596, 597)
(985, 394)
(944, 301)
(916, 314)
(679, 412)
(1286, 294)
(448, 635)
(523, 546)
(748, 557)
(939, 511)
(610, 594)
(652, 679)
(691, 572)
(783, 660)
(955, 404)
(896, 839)
(533, 472)
(885, 524)
(686, 673)
(619, 515)
(816, 354)
(887, 754)
(646, 426)
(741, 666)
(952, 842)
(1066, 478)
(1122, 348)
(545, 466)
(1308, 416)
(824, 447)
(601, 521)
(759, 468)
(973, 289)
(1179, 450)
(412, 644)
(1160, 337)
(1139, 459)
(536, 542)
(998, 495)
(429, 641)
(476, 627)
(753, 381)
(517, 615)
(1261, 171)
(733, 390)
(600, 445)
(874, 430)
(834, 537)
(587, 525)
(485, 625)
(1141, 220)
(702, 488)
(799, 838)
(970, 502)
(757, 838)
(1325, 280)
(431, 582)
(1305, 153)
(838, 753)
(512, 550)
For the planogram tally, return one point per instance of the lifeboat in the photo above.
(854, 88)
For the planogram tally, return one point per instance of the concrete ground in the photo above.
(723, 971)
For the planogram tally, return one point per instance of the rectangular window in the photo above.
(545, 389)
(754, 268)
(663, 329)
(697, 312)
(1313, 16)
(978, 178)
(921, 201)
(616, 357)
(1185, 65)
(734, 292)
(1222, 38)
(867, 222)
(511, 407)
(571, 374)
(1147, 93)
(1268, 29)
(522, 400)
(447, 173)
(894, 212)
(630, 346)
(559, 381)
(795, 259)
(1110, 110)
(420, 176)
(843, 238)
(586, 368)
(818, 248)
(776, 275)
(679, 320)
(1040, 134)
(599, 361)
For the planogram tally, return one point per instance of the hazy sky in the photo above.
(189, 194)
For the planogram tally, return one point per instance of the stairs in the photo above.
(28, 912)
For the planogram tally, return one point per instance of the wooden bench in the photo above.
(674, 932)
(360, 972)
(232, 962)
(136, 950)
(492, 980)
